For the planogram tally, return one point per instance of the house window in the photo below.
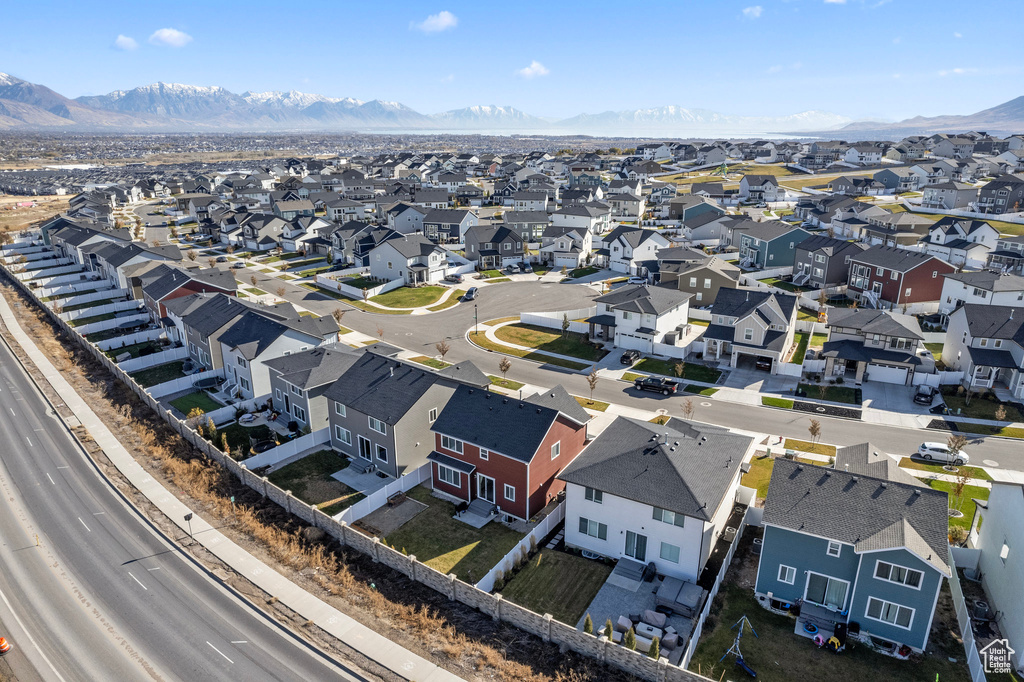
(893, 275)
(898, 574)
(693, 282)
(818, 258)
(707, 283)
(983, 343)
(485, 454)
(449, 443)
(787, 574)
(997, 343)
(888, 612)
(593, 529)
(240, 361)
(935, 273)
(342, 434)
(669, 552)
(296, 391)
(277, 393)
(666, 516)
(834, 548)
(339, 409)
(826, 591)
(595, 496)
(626, 315)
(244, 382)
(556, 449)
(299, 413)
(510, 493)
(449, 476)
(432, 415)
(508, 246)
(378, 426)
(748, 334)
(382, 453)
(879, 272)
(908, 291)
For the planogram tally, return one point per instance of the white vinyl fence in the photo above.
(226, 414)
(289, 449)
(182, 384)
(379, 498)
(963, 619)
(130, 339)
(65, 274)
(50, 271)
(95, 296)
(113, 323)
(508, 562)
(117, 307)
(331, 284)
(553, 320)
(65, 289)
(147, 361)
(938, 379)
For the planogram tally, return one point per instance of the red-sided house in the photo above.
(506, 452)
(163, 285)
(888, 277)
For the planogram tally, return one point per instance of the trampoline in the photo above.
(207, 383)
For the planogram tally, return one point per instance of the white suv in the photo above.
(940, 453)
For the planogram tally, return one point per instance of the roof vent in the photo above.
(520, 406)
(856, 478)
(884, 484)
(392, 371)
(538, 410)
(916, 491)
(504, 401)
(703, 438)
(799, 467)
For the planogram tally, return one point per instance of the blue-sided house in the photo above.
(862, 546)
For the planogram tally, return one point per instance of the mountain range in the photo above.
(171, 107)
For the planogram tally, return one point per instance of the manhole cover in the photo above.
(819, 409)
(705, 404)
(989, 463)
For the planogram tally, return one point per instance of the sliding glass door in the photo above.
(826, 591)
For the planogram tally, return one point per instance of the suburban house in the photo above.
(446, 226)
(627, 206)
(948, 195)
(856, 186)
(999, 564)
(165, 283)
(898, 180)
(1005, 194)
(639, 317)
(113, 258)
(594, 218)
(652, 493)
(770, 244)
(530, 225)
(381, 410)
(504, 454)
(629, 247)
(760, 188)
(821, 261)
(696, 273)
(298, 382)
(690, 206)
(258, 335)
(750, 325)
(493, 246)
(983, 287)
(568, 247)
(406, 219)
(352, 242)
(850, 549)
(526, 200)
(1008, 255)
(412, 258)
(874, 345)
(891, 277)
(986, 343)
(961, 241)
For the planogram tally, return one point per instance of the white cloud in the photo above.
(797, 65)
(170, 37)
(958, 35)
(959, 71)
(896, 75)
(534, 70)
(449, 78)
(442, 21)
(123, 42)
(753, 12)
(835, 2)
(775, 69)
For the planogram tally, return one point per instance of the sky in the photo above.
(866, 59)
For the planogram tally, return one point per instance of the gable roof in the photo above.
(881, 322)
(893, 258)
(741, 302)
(315, 367)
(829, 245)
(995, 322)
(988, 280)
(254, 331)
(413, 245)
(559, 399)
(216, 279)
(382, 387)
(867, 460)
(868, 513)
(679, 466)
(641, 298)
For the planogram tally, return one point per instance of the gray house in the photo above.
(770, 244)
(298, 382)
(822, 261)
(876, 345)
(493, 246)
(381, 410)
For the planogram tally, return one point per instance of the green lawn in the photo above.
(558, 583)
(804, 340)
(310, 480)
(314, 271)
(82, 321)
(498, 280)
(451, 546)
(835, 394)
(691, 372)
(505, 383)
(779, 655)
(158, 375)
(698, 323)
(935, 349)
(255, 292)
(200, 399)
(481, 340)
(700, 390)
(431, 362)
(778, 402)
(452, 300)
(780, 284)
(975, 472)
(583, 272)
(980, 408)
(487, 274)
(759, 476)
(550, 341)
(970, 491)
(408, 297)
(589, 404)
(135, 350)
(238, 436)
(806, 446)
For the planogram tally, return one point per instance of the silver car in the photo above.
(939, 452)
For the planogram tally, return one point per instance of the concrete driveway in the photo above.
(892, 397)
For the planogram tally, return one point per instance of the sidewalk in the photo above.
(401, 662)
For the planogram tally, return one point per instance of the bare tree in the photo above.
(679, 368)
(956, 500)
(504, 365)
(815, 430)
(380, 332)
(154, 243)
(338, 314)
(1000, 414)
(252, 278)
(191, 255)
(823, 389)
(688, 408)
(366, 294)
(230, 249)
(592, 380)
(211, 262)
(443, 347)
(955, 444)
(280, 292)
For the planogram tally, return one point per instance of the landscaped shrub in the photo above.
(588, 625)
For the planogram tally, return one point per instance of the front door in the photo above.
(364, 449)
(485, 488)
(876, 288)
(636, 546)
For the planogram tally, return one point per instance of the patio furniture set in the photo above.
(645, 628)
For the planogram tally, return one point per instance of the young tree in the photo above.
(230, 249)
(815, 430)
(1000, 414)
(330, 256)
(565, 323)
(679, 369)
(608, 630)
(366, 294)
(956, 500)
(592, 380)
(252, 279)
(955, 444)
(655, 650)
(380, 332)
(629, 640)
(443, 347)
(211, 262)
(191, 255)
(504, 365)
(688, 409)
(280, 292)
(823, 389)
(194, 418)
(588, 625)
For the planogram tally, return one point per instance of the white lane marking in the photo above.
(153, 569)
(83, 523)
(51, 479)
(98, 513)
(64, 467)
(12, 411)
(29, 635)
(221, 653)
(29, 442)
(138, 581)
(240, 641)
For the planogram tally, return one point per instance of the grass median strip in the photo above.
(596, 405)
(807, 446)
(550, 341)
(431, 362)
(784, 403)
(973, 472)
(700, 390)
(480, 339)
(505, 383)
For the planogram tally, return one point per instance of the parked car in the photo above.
(940, 452)
(525, 267)
(764, 364)
(513, 268)
(636, 279)
(662, 385)
(238, 265)
(453, 278)
(222, 259)
(629, 357)
(470, 294)
(924, 395)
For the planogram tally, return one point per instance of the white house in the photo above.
(985, 343)
(961, 241)
(760, 188)
(647, 319)
(982, 287)
(648, 493)
(629, 247)
(593, 218)
(626, 205)
(414, 259)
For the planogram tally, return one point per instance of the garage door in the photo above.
(632, 342)
(887, 375)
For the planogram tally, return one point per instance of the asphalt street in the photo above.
(90, 591)
(421, 332)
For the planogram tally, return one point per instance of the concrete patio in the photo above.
(363, 483)
(613, 601)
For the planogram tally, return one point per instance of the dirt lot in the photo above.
(460, 639)
(13, 218)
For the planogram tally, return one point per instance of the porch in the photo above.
(816, 620)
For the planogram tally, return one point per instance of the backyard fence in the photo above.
(180, 384)
(938, 379)
(52, 277)
(544, 626)
(101, 310)
(223, 415)
(81, 288)
(522, 549)
(139, 319)
(104, 295)
(331, 284)
(963, 619)
(147, 361)
(289, 449)
(129, 340)
(553, 320)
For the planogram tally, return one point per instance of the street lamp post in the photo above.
(188, 519)
(476, 319)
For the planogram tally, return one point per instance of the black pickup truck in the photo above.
(661, 385)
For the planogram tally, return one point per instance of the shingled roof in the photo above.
(644, 299)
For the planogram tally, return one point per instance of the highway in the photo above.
(103, 596)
